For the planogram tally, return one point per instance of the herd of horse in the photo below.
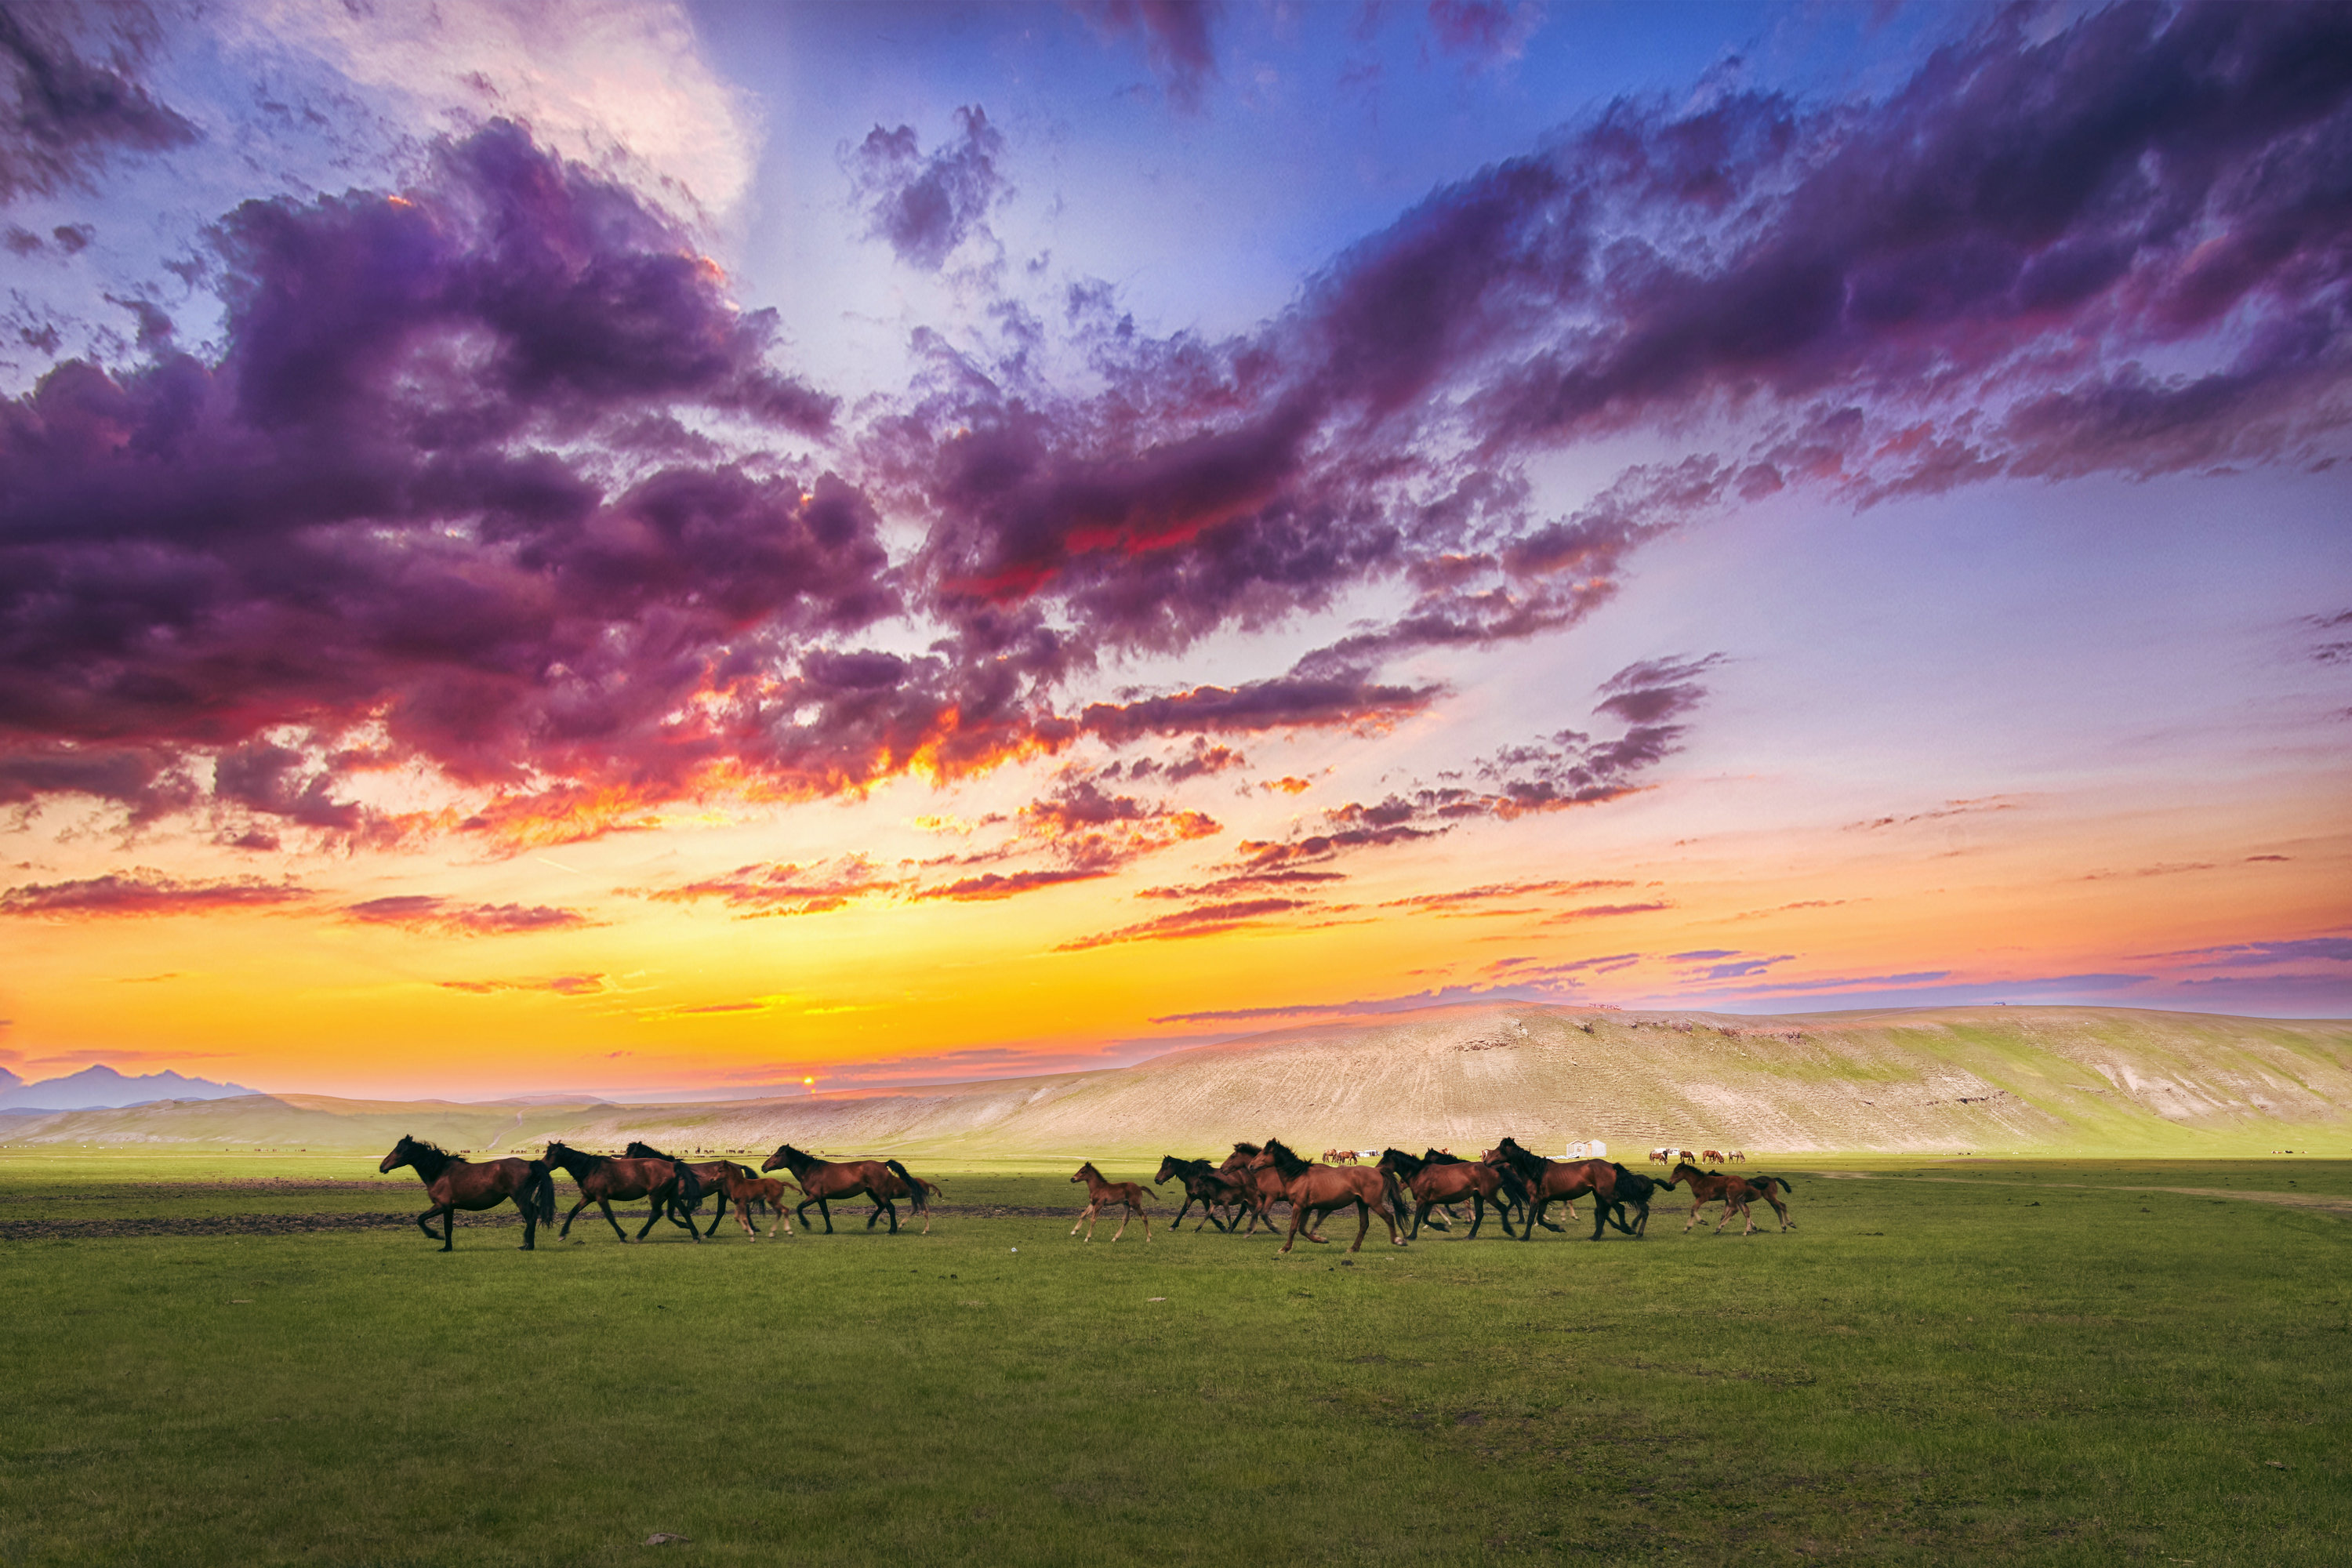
(1251, 1182)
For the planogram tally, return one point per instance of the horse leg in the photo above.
(1477, 1215)
(1127, 1213)
(1419, 1214)
(606, 1204)
(721, 1214)
(449, 1213)
(1085, 1215)
(422, 1224)
(530, 1224)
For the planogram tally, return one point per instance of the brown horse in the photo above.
(746, 1189)
(1735, 1192)
(672, 1186)
(711, 1174)
(1100, 1191)
(823, 1181)
(1262, 1188)
(454, 1183)
(912, 1187)
(1449, 1181)
(1321, 1189)
(1548, 1181)
(1203, 1184)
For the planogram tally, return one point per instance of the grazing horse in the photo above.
(454, 1183)
(1100, 1191)
(822, 1181)
(710, 1172)
(1712, 1157)
(1203, 1184)
(1662, 1156)
(1321, 1189)
(1338, 1156)
(670, 1183)
(1433, 1183)
(1734, 1157)
(1550, 1180)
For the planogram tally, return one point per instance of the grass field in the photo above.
(1964, 1362)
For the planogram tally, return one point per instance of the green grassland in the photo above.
(1962, 1362)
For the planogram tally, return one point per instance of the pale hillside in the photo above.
(1925, 1080)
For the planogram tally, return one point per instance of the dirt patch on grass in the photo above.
(297, 1224)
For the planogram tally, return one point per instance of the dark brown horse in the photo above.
(671, 1185)
(454, 1183)
(1203, 1184)
(1261, 1187)
(710, 1172)
(1550, 1180)
(1734, 1193)
(1099, 1192)
(1314, 1189)
(1431, 1185)
(823, 1181)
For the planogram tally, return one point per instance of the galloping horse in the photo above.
(1735, 1192)
(711, 1174)
(747, 1189)
(1203, 1184)
(1549, 1180)
(672, 1186)
(454, 1183)
(1433, 1183)
(1262, 1187)
(912, 1187)
(822, 1181)
(1100, 1191)
(1321, 1189)
(1634, 1190)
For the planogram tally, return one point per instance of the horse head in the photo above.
(786, 1154)
(1170, 1165)
(401, 1152)
(1087, 1170)
(1397, 1162)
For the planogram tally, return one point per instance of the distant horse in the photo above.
(711, 1174)
(1100, 1191)
(1547, 1181)
(1662, 1156)
(1338, 1156)
(454, 1183)
(1203, 1184)
(823, 1181)
(1712, 1157)
(1734, 1157)
(1323, 1189)
(671, 1185)
(1435, 1183)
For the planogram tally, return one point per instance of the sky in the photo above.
(625, 547)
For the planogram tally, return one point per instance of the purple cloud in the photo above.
(1177, 39)
(63, 108)
(144, 891)
(927, 208)
(425, 913)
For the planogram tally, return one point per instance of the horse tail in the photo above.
(1397, 1205)
(914, 1187)
(1766, 1183)
(538, 1192)
(1513, 1184)
(689, 1186)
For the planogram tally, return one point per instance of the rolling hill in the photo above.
(1925, 1080)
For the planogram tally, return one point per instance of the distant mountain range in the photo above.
(103, 1088)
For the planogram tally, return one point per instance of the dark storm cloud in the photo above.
(928, 206)
(146, 892)
(70, 95)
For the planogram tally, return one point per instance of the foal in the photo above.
(1100, 1191)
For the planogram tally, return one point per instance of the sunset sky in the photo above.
(626, 548)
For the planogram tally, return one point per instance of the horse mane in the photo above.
(1412, 1167)
(1247, 1149)
(643, 1151)
(419, 1146)
(1285, 1158)
(1440, 1157)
